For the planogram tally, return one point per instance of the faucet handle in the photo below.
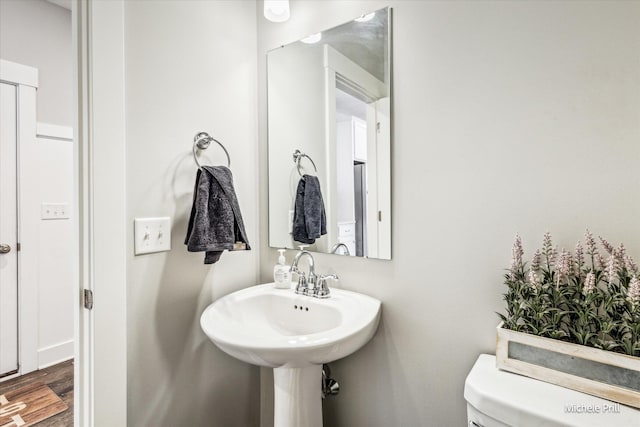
(301, 288)
(322, 289)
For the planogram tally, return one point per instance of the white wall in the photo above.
(508, 117)
(190, 67)
(54, 263)
(38, 34)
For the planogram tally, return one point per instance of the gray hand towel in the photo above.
(309, 219)
(215, 223)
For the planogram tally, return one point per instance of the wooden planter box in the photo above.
(605, 374)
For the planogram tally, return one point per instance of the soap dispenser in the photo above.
(281, 273)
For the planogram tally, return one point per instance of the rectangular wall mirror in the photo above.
(329, 116)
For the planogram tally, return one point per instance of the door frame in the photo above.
(344, 74)
(25, 79)
(100, 378)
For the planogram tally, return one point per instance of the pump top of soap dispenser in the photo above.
(281, 259)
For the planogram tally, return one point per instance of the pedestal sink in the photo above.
(294, 335)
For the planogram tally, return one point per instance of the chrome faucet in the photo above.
(337, 246)
(304, 286)
(315, 286)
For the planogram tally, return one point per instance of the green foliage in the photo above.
(592, 301)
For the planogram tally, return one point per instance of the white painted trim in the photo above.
(108, 212)
(383, 170)
(54, 354)
(48, 130)
(14, 73)
(354, 73)
(331, 153)
(100, 152)
(10, 377)
(82, 368)
(27, 236)
(372, 180)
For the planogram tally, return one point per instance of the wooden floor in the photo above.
(60, 379)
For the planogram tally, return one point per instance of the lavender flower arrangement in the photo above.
(580, 297)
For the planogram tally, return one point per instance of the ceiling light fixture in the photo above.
(365, 18)
(276, 10)
(313, 38)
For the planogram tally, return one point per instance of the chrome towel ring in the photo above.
(201, 141)
(297, 157)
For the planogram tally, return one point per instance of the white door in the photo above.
(8, 232)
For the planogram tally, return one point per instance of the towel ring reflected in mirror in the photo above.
(297, 157)
(201, 141)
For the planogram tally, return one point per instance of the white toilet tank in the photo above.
(497, 398)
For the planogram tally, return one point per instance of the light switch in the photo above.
(152, 235)
(54, 211)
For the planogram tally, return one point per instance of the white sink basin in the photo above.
(275, 328)
(295, 335)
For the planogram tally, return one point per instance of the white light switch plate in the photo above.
(54, 211)
(152, 235)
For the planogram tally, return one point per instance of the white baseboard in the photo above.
(10, 377)
(55, 354)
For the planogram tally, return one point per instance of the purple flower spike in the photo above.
(579, 256)
(534, 279)
(589, 283)
(547, 246)
(633, 294)
(606, 245)
(517, 251)
(516, 257)
(620, 253)
(591, 243)
(535, 262)
(563, 266)
(612, 269)
(630, 264)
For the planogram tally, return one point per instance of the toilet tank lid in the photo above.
(518, 401)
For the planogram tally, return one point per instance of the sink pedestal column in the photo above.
(297, 397)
